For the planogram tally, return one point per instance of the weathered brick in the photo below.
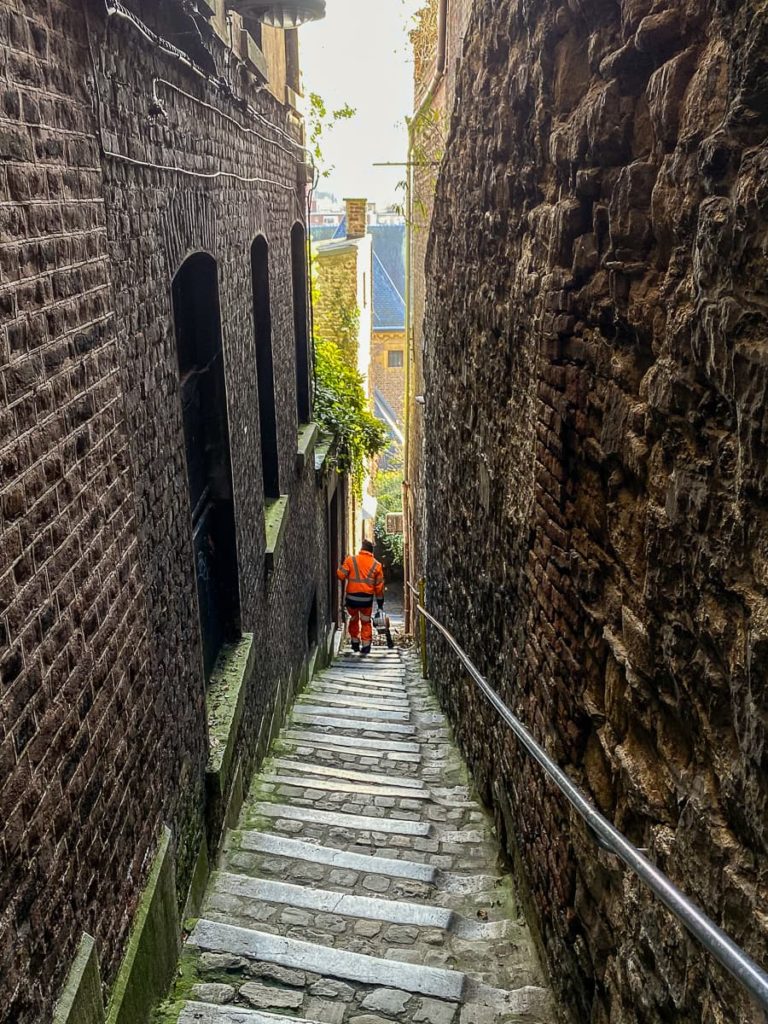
(99, 624)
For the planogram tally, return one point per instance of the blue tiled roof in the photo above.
(388, 270)
(388, 276)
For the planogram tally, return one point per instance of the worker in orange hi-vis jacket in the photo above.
(364, 578)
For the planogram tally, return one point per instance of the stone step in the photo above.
(359, 689)
(296, 849)
(331, 699)
(370, 908)
(367, 713)
(354, 743)
(337, 785)
(211, 1013)
(304, 716)
(376, 681)
(451, 883)
(328, 745)
(327, 961)
(350, 822)
(294, 767)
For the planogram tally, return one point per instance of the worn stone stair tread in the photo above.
(372, 778)
(339, 786)
(325, 960)
(370, 908)
(353, 742)
(374, 714)
(374, 701)
(210, 1013)
(297, 849)
(357, 687)
(327, 746)
(351, 724)
(330, 902)
(377, 681)
(339, 819)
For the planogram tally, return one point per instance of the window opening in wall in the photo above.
(292, 71)
(299, 268)
(197, 321)
(262, 326)
(253, 25)
(312, 624)
(395, 358)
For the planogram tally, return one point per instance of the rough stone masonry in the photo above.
(596, 347)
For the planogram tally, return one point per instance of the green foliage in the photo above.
(341, 409)
(320, 121)
(389, 493)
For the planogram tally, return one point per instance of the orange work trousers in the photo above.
(360, 627)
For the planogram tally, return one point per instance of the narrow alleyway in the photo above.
(363, 882)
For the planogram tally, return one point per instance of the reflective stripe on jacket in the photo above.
(364, 577)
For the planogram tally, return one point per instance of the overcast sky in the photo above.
(360, 54)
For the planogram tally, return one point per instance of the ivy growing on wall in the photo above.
(389, 495)
(341, 409)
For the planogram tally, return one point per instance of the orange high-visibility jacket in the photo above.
(364, 577)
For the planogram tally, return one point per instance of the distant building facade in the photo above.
(167, 533)
(385, 366)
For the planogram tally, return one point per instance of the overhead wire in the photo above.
(114, 8)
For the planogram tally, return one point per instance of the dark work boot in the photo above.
(355, 646)
(365, 650)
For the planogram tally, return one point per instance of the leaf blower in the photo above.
(382, 625)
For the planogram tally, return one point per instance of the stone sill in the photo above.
(308, 435)
(225, 702)
(275, 522)
(322, 451)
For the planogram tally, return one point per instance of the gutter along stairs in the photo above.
(361, 886)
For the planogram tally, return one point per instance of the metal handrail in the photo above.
(738, 963)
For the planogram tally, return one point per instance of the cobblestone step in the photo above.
(324, 718)
(294, 767)
(325, 960)
(361, 885)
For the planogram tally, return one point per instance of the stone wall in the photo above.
(119, 161)
(594, 345)
(429, 133)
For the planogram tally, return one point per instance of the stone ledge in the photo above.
(308, 435)
(81, 1001)
(154, 946)
(275, 521)
(225, 703)
(322, 451)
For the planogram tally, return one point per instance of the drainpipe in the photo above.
(442, 35)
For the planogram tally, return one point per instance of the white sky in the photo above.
(360, 54)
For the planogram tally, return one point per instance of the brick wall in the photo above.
(388, 380)
(594, 340)
(102, 716)
(75, 683)
(336, 310)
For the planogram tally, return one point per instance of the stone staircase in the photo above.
(362, 884)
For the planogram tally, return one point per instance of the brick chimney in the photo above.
(357, 217)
